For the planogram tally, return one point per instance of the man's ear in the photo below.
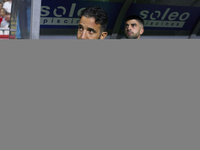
(141, 31)
(103, 35)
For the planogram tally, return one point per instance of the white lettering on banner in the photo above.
(71, 13)
(187, 16)
(45, 11)
(173, 16)
(168, 24)
(59, 21)
(155, 18)
(151, 16)
(55, 11)
(158, 20)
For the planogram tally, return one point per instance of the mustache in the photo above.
(128, 31)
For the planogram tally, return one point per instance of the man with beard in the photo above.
(92, 24)
(134, 27)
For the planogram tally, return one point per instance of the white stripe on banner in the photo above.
(167, 24)
(58, 21)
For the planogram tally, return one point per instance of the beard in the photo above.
(132, 36)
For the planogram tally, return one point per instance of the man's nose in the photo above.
(83, 36)
(128, 28)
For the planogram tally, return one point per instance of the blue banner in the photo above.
(64, 14)
(164, 17)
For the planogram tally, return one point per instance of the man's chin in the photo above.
(131, 37)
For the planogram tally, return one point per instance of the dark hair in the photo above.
(4, 10)
(138, 18)
(98, 13)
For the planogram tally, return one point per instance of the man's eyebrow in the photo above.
(80, 25)
(133, 24)
(91, 29)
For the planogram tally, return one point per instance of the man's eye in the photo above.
(80, 28)
(133, 25)
(91, 31)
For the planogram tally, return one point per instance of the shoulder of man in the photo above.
(121, 37)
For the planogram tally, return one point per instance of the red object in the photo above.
(0, 19)
(12, 36)
(4, 36)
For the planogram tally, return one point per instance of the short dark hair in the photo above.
(98, 13)
(4, 10)
(136, 17)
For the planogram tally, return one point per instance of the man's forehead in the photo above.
(132, 21)
(89, 21)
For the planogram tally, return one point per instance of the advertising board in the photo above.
(64, 14)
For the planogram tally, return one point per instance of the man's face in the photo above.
(2, 12)
(8, 18)
(88, 29)
(133, 29)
